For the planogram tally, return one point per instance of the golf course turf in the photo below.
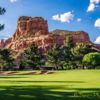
(56, 85)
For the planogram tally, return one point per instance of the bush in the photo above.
(91, 60)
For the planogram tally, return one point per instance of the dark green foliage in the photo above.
(91, 60)
(2, 11)
(32, 57)
(6, 60)
(1, 26)
(54, 56)
(69, 42)
(67, 53)
(67, 60)
(79, 51)
(61, 56)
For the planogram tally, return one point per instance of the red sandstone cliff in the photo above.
(78, 36)
(35, 30)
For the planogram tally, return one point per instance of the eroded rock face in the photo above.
(78, 36)
(81, 37)
(2, 42)
(28, 26)
(35, 30)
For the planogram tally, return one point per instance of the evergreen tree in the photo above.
(2, 11)
(32, 57)
(6, 60)
(67, 53)
(69, 42)
(79, 51)
(54, 56)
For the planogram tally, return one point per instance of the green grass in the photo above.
(61, 85)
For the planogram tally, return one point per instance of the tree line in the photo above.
(61, 57)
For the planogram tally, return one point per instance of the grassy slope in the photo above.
(62, 85)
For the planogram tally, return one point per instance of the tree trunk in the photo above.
(56, 65)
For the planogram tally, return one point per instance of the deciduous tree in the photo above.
(91, 60)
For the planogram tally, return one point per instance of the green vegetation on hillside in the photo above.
(60, 57)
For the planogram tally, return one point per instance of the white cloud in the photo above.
(91, 7)
(97, 41)
(12, 1)
(93, 4)
(97, 23)
(56, 17)
(65, 17)
(79, 19)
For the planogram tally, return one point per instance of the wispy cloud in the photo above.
(93, 4)
(65, 17)
(79, 19)
(13, 1)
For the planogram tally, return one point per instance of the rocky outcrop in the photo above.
(77, 36)
(35, 30)
(28, 26)
(32, 30)
(2, 43)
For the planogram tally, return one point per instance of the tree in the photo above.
(67, 58)
(54, 56)
(32, 57)
(6, 60)
(67, 53)
(2, 11)
(69, 42)
(79, 51)
(59, 56)
(91, 60)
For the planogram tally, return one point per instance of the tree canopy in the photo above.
(6, 59)
(32, 57)
(2, 11)
(91, 60)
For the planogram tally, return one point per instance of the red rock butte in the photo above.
(35, 30)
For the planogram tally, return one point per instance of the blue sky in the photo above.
(61, 14)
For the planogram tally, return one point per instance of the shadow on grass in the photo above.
(29, 73)
(48, 93)
(20, 81)
(11, 77)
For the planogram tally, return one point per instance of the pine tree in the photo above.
(54, 56)
(2, 11)
(32, 57)
(6, 60)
